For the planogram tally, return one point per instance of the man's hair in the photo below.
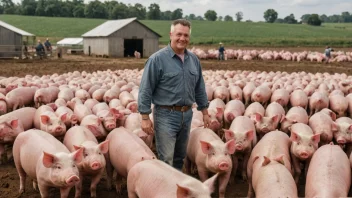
(183, 22)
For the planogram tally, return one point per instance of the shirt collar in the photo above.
(172, 53)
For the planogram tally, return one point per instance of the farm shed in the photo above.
(13, 40)
(70, 42)
(120, 38)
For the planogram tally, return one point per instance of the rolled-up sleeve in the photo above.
(200, 92)
(147, 86)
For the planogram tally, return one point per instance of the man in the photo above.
(172, 80)
(328, 51)
(39, 49)
(221, 52)
(47, 45)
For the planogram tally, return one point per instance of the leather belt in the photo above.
(177, 108)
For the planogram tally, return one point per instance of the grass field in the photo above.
(203, 32)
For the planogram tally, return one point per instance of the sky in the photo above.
(252, 9)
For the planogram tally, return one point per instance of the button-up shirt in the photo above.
(167, 80)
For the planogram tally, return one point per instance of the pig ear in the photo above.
(104, 146)
(76, 147)
(255, 158)
(250, 135)
(332, 115)
(280, 159)
(93, 129)
(63, 117)
(210, 182)
(350, 128)
(275, 118)
(115, 112)
(14, 123)
(53, 106)
(48, 159)
(229, 134)
(45, 119)
(266, 161)
(256, 117)
(294, 137)
(78, 155)
(331, 143)
(283, 118)
(230, 145)
(182, 192)
(334, 127)
(316, 138)
(219, 110)
(206, 147)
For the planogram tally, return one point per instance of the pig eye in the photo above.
(99, 153)
(58, 167)
(214, 153)
(298, 143)
(310, 145)
(85, 155)
(73, 165)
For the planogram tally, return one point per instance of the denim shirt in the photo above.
(168, 81)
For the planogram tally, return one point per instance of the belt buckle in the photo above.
(183, 108)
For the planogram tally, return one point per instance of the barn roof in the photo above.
(14, 29)
(112, 26)
(70, 41)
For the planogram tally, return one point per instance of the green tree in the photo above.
(239, 16)
(324, 18)
(154, 12)
(220, 18)
(314, 20)
(211, 15)
(109, 6)
(177, 14)
(95, 9)
(39, 11)
(139, 11)
(305, 18)
(199, 18)
(192, 17)
(290, 19)
(167, 15)
(78, 11)
(28, 7)
(270, 15)
(228, 18)
(120, 11)
(346, 17)
(278, 20)
(1, 9)
(334, 18)
(67, 8)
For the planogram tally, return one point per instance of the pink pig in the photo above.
(154, 178)
(262, 95)
(294, 115)
(71, 118)
(247, 92)
(45, 119)
(338, 104)
(216, 112)
(299, 98)
(253, 108)
(3, 104)
(94, 124)
(20, 97)
(233, 109)
(210, 154)
(93, 163)
(133, 124)
(329, 173)
(46, 161)
(120, 156)
(321, 123)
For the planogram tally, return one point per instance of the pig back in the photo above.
(25, 115)
(329, 173)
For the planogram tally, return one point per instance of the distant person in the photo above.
(47, 45)
(39, 49)
(25, 50)
(59, 52)
(328, 51)
(221, 52)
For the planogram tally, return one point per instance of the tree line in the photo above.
(119, 10)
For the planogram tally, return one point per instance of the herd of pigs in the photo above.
(339, 56)
(270, 126)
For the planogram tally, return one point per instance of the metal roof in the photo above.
(112, 26)
(70, 41)
(14, 29)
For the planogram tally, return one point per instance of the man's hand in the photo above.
(147, 126)
(206, 120)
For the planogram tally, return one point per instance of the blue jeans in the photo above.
(172, 130)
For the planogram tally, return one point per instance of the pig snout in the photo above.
(341, 141)
(223, 166)
(111, 126)
(230, 117)
(72, 180)
(214, 125)
(96, 165)
(239, 147)
(59, 129)
(304, 155)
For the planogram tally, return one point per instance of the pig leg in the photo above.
(348, 148)
(63, 192)
(203, 174)
(118, 183)
(250, 193)
(79, 186)
(35, 185)
(297, 168)
(93, 185)
(223, 181)
(109, 171)
(244, 165)
(44, 190)
(23, 176)
(188, 165)
(234, 168)
(306, 168)
(3, 154)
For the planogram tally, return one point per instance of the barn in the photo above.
(120, 38)
(13, 40)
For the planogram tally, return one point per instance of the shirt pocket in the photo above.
(171, 79)
(193, 76)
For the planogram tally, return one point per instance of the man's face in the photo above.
(180, 37)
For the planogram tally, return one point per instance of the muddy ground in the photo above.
(9, 181)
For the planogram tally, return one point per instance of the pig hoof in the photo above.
(21, 191)
(244, 177)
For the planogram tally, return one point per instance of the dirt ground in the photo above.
(9, 181)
